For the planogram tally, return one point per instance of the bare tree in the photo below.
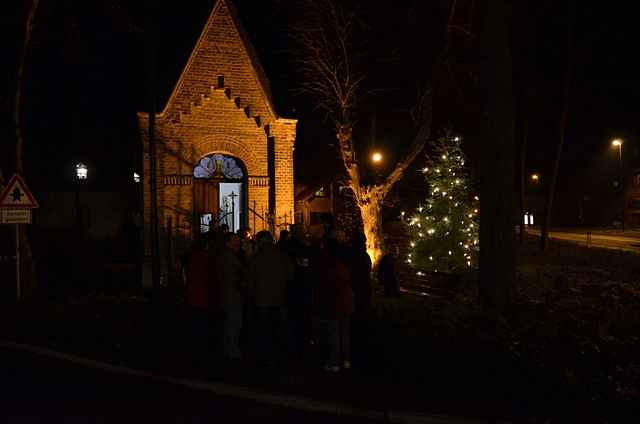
(548, 206)
(28, 265)
(332, 81)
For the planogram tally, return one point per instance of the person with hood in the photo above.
(269, 273)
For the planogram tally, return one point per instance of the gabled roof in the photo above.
(215, 53)
(308, 192)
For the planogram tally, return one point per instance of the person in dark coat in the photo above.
(233, 283)
(283, 240)
(247, 244)
(299, 293)
(333, 302)
(361, 283)
(388, 273)
(198, 272)
(269, 273)
(361, 276)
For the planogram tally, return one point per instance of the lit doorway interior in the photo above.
(219, 192)
(230, 204)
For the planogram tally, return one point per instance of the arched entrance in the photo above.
(220, 192)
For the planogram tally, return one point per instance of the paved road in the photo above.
(34, 388)
(628, 243)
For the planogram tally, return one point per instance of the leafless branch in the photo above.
(463, 30)
(326, 60)
(422, 99)
(330, 79)
(417, 145)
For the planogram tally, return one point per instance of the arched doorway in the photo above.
(220, 192)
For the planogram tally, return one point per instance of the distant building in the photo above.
(330, 203)
(632, 199)
(319, 204)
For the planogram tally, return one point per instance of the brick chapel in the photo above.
(223, 153)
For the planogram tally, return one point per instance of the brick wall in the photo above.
(285, 134)
(202, 118)
(223, 49)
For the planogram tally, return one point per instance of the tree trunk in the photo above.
(497, 190)
(523, 178)
(371, 213)
(548, 205)
(369, 198)
(27, 268)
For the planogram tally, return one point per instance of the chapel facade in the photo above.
(224, 156)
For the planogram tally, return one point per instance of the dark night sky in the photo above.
(86, 79)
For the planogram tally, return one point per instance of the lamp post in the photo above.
(618, 143)
(82, 172)
(535, 179)
(376, 159)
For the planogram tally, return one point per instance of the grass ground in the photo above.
(567, 350)
(569, 342)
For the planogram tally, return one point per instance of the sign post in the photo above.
(16, 203)
(18, 262)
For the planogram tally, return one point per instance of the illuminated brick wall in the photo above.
(221, 104)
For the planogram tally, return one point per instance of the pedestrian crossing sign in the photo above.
(17, 195)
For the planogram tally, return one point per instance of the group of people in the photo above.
(270, 302)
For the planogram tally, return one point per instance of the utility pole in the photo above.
(153, 221)
(622, 182)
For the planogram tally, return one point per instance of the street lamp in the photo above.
(618, 143)
(535, 178)
(81, 171)
(376, 157)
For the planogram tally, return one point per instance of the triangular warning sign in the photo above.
(17, 195)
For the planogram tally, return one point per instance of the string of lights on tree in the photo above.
(443, 230)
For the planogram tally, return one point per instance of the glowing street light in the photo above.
(618, 143)
(376, 157)
(535, 178)
(81, 171)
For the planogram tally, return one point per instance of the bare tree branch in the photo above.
(17, 112)
(463, 30)
(416, 147)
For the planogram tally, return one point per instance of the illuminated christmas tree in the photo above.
(443, 230)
